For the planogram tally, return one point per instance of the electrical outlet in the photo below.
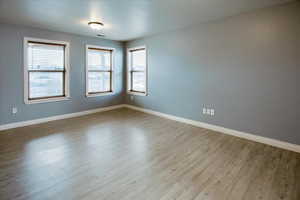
(14, 110)
(208, 111)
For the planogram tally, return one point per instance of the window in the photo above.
(45, 70)
(137, 71)
(99, 70)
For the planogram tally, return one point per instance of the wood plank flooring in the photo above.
(129, 155)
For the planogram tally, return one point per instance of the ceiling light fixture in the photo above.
(96, 25)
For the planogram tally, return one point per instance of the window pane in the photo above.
(45, 57)
(138, 60)
(99, 60)
(45, 84)
(99, 82)
(138, 81)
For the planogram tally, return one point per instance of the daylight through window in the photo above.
(46, 70)
(99, 70)
(137, 70)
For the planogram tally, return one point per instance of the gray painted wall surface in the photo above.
(246, 67)
(11, 75)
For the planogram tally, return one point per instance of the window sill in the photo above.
(137, 93)
(27, 101)
(100, 94)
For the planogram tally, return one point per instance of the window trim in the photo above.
(128, 72)
(66, 85)
(97, 94)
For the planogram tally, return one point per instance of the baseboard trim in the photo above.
(248, 136)
(57, 117)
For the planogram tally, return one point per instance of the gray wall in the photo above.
(11, 75)
(246, 67)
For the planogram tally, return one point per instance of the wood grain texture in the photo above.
(129, 155)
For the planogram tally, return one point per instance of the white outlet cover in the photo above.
(212, 112)
(204, 111)
(208, 111)
(14, 110)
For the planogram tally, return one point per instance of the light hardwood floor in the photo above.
(129, 155)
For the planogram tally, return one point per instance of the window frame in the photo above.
(112, 76)
(66, 71)
(129, 72)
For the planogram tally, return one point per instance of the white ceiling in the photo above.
(123, 19)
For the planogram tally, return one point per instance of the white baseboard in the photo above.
(256, 138)
(57, 117)
(260, 139)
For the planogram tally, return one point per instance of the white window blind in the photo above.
(46, 70)
(137, 70)
(99, 70)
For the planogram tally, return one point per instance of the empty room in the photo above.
(149, 100)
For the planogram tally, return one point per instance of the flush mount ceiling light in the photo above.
(96, 25)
